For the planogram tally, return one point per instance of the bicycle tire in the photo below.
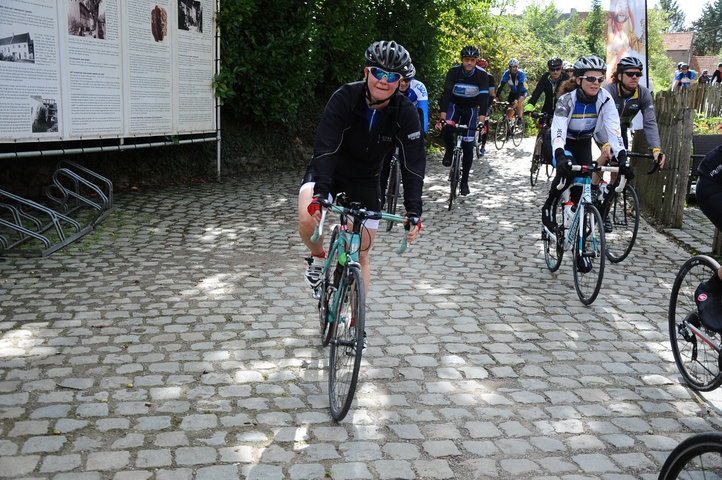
(517, 133)
(392, 192)
(697, 361)
(623, 213)
(554, 251)
(535, 162)
(454, 175)
(696, 457)
(589, 244)
(347, 345)
(329, 286)
(500, 133)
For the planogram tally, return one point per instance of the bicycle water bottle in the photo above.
(603, 190)
(568, 214)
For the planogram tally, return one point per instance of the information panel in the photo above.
(75, 69)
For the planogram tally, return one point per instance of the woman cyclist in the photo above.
(709, 198)
(583, 108)
(360, 126)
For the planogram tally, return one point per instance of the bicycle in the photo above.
(578, 226)
(695, 346)
(393, 188)
(696, 457)
(537, 158)
(455, 171)
(341, 300)
(480, 132)
(506, 127)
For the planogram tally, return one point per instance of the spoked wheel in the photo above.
(517, 134)
(347, 345)
(554, 248)
(392, 192)
(535, 163)
(589, 255)
(697, 457)
(696, 359)
(454, 176)
(500, 133)
(328, 287)
(623, 218)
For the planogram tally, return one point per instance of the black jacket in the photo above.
(711, 165)
(549, 89)
(346, 152)
(466, 90)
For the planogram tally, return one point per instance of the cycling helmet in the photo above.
(482, 63)
(567, 65)
(388, 55)
(410, 72)
(590, 62)
(470, 51)
(683, 65)
(629, 62)
(679, 65)
(719, 65)
(513, 62)
(705, 72)
(554, 62)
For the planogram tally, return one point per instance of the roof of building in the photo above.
(678, 41)
(21, 38)
(707, 62)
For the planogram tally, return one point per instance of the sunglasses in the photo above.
(555, 69)
(406, 80)
(634, 74)
(379, 74)
(469, 59)
(593, 79)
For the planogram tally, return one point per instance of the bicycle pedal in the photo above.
(316, 293)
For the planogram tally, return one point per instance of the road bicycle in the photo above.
(695, 346)
(480, 132)
(537, 158)
(393, 188)
(507, 128)
(698, 457)
(578, 227)
(455, 172)
(342, 301)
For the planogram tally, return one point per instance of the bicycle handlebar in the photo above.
(598, 168)
(655, 167)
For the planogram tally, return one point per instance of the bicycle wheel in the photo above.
(554, 250)
(623, 217)
(517, 133)
(329, 285)
(696, 359)
(697, 457)
(535, 162)
(454, 176)
(347, 345)
(392, 192)
(500, 133)
(589, 254)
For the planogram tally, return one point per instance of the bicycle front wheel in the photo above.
(696, 359)
(347, 345)
(621, 224)
(500, 133)
(535, 162)
(392, 193)
(454, 176)
(517, 133)
(589, 254)
(697, 457)
(329, 285)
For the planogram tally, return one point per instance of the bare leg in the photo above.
(307, 224)
(367, 240)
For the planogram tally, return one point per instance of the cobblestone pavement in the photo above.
(178, 341)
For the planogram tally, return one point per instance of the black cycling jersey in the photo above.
(709, 186)
(353, 140)
(711, 165)
(549, 88)
(466, 90)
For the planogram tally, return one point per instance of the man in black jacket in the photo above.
(549, 85)
(360, 126)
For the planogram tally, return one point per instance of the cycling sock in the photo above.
(320, 255)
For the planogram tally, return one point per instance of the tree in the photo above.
(661, 68)
(594, 27)
(708, 30)
(675, 17)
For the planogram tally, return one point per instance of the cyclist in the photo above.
(684, 76)
(416, 92)
(580, 111)
(709, 198)
(483, 64)
(568, 68)
(466, 88)
(705, 78)
(717, 74)
(359, 127)
(516, 79)
(549, 85)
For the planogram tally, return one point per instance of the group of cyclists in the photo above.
(684, 76)
(364, 122)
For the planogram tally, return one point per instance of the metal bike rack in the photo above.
(28, 228)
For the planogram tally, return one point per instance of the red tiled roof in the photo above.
(708, 62)
(678, 41)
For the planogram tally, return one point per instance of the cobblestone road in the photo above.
(178, 341)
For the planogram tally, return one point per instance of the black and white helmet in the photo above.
(470, 51)
(567, 65)
(683, 65)
(629, 62)
(410, 72)
(554, 62)
(389, 56)
(513, 62)
(590, 62)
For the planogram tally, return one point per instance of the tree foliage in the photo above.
(675, 17)
(708, 30)
(594, 27)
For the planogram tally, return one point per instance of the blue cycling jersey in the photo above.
(420, 98)
(517, 84)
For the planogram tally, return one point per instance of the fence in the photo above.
(664, 195)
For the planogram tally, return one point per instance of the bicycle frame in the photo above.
(699, 334)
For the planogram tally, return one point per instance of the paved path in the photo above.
(179, 342)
